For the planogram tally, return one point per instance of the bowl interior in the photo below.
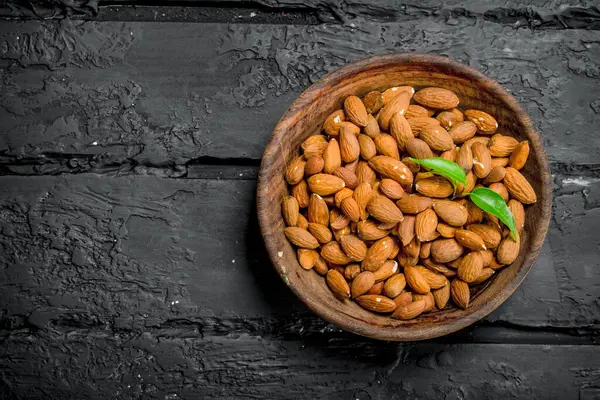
(305, 118)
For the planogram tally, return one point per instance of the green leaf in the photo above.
(448, 169)
(491, 202)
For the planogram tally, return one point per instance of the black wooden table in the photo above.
(131, 265)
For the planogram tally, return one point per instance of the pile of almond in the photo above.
(384, 231)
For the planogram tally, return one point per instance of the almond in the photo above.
(317, 210)
(394, 91)
(325, 184)
(439, 268)
(355, 110)
(453, 213)
(314, 140)
(470, 267)
(341, 232)
(321, 267)
(450, 155)
(508, 250)
(367, 230)
(333, 253)
(386, 146)
(349, 178)
(398, 104)
(388, 269)
(448, 119)
(502, 146)
(462, 131)
(367, 147)
(486, 274)
(406, 229)
(465, 158)
(418, 124)
(475, 214)
(496, 174)
(446, 250)
(518, 186)
(384, 210)
(426, 224)
(495, 265)
(394, 286)
(446, 230)
(478, 139)
(314, 165)
(409, 311)
(459, 115)
(427, 298)
(341, 195)
(413, 166)
(301, 238)
(315, 147)
(502, 162)
(320, 232)
(400, 130)
(376, 303)
(486, 257)
(413, 249)
(354, 248)
(391, 168)
(437, 138)
(416, 280)
(403, 298)
(351, 272)
(486, 124)
(377, 289)
(482, 160)
(471, 180)
(377, 254)
(491, 237)
(518, 212)
(469, 239)
(435, 97)
(337, 219)
(395, 247)
(518, 158)
(338, 284)
(295, 171)
(406, 260)
(436, 186)
(434, 279)
(362, 195)
(441, 296)
(372, 128)
(290, 210)
(416, 111)
(414, 204)
(332, 124)
(417, 148)
(499, 188)
(460, 293)
(391, 189)
(373, 102)
(362, 283)
(349, 146)
(307, 258)
(425, 250)
(302, 222)
(365, 173)
(332, 158)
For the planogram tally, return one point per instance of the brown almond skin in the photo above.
(386, 146)
(373, 102)
(354, 248)
(301, 238)
(338, 284)
(518, 212)
(314, 165)
(332, 158)
(394, 286)
(499, 188)
(398, 104)
(362, 283)
(482, 160)
(435, 97)
(475, 214)
(389, 167)
(406, 229)
(486, 124)
(350, 179)
(350, 208)
(471, 179)
(439, 268)
(460, 293)
(434, 279)
(332, 123)
(508, 250)
(400, 130)
(367, 147)
(320, 232)
(518, 186)
(321, 266)
(425, 225)
(425, 251)
(409, 311)
(383, 209)
(376, 289)
(388, 269)
(414, 204)
(448, 119)
(403, 298)
(518, 158)
(302, 222)
(450, 155)
(391, 189)
(491, 237)
(416, 280)
(418, 124)
(451, 212)
(470, 267)
(435, 186)
(445, 230)
(416, 111)
(341, 195)
(441, 296)
(427, 298)
(376, 303)
(377, 254)
(413, 249)
(465, 158)
(290, 210)
(417, 148)
(368, 230)
(362, 195)
(469, 239)
(355, 110)
(295, 171)
(317, 210)
(300, 192)
(462, 131)
(351, 271)
(446, 250)
(486, 274)
(437, 138)
(501, 145)
(307, 258)
(406, 260)
(372, 128)
(496, 174)
(394, 91)
(333, 253)
(324, 184)
(349, 146)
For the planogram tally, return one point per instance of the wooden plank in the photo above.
(90, 250)
(170, 364)
(217, 90)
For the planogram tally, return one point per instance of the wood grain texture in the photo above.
(224, 100)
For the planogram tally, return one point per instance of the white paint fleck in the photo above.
(577, 181)
(94, 143)
(280, 254)
(252, 14)
(241, 174)
(233, 261)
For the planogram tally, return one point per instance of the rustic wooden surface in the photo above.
(130, 260)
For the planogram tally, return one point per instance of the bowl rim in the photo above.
(361, 327)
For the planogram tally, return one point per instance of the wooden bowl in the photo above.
(305, 117)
